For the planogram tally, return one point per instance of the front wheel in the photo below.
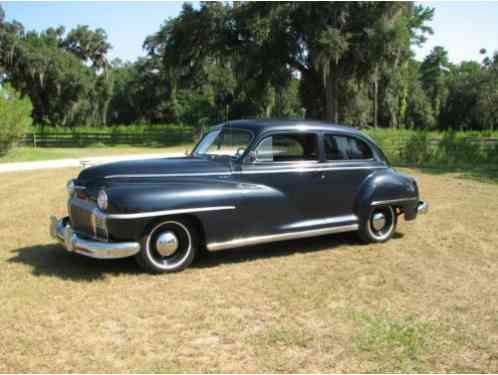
(379, 225)
(170, 246)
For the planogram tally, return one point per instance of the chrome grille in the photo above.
(86, 219)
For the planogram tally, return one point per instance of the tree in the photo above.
(434, 70)
(15, 117)
(472, 100)
(66, 78)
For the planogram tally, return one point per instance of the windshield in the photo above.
(224, 142)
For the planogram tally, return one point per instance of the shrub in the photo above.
(417, 149)
(15, 117)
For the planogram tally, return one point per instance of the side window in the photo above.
(339, 147)
(359, 149)
(288, 147)
(335, 147)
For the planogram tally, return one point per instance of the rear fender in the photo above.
(387, 187)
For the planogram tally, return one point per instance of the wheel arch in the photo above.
(193, 219)
(386, 187)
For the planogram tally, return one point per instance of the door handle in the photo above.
(321, 175)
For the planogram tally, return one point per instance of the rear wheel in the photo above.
(379, 225)
(169, 246)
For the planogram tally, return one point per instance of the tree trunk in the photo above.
(332, 96)
(105, 108)
(375, 102)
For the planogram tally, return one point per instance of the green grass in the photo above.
(26, 154)
(393, 343)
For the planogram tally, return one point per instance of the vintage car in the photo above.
(246, 182)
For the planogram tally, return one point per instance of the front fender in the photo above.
(173, 195)
(137, 197)
(387, 187)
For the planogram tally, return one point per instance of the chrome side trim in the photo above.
(264, 171)
(140, 215)
(322, 222)
(305, 170)
(241, 242)
(168, 175)
(389, 201)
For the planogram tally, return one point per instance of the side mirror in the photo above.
(251, 157)
(187, 152)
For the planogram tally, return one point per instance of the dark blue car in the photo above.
(246, 182)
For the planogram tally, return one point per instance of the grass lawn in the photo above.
(425, 301)
(21, 154)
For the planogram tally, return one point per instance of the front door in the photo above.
(285, 172)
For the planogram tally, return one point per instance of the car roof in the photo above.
(260, 125)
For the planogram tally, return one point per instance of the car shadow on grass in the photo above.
(53, 260)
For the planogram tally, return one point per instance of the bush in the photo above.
(409, 147)
(15, 117)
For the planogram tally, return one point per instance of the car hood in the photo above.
(151, 168)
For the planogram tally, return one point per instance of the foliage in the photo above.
(472, 101)
(436, 148)
(346, 62)
(15, 117)
(53, 72)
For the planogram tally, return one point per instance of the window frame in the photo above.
(195, 151)
(348, 160)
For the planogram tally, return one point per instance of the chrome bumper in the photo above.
(61, 230)
(422, 208)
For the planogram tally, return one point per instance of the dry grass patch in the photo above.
(425, 301)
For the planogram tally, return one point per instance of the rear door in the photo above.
(348, 160)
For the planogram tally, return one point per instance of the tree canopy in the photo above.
(346, 62)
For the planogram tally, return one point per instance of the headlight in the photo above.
(102, 200)
(70, 187)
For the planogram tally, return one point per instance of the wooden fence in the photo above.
(148, 137)
(419, 150)
(178, 136)
(484, 143)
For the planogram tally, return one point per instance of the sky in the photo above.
(463, 28)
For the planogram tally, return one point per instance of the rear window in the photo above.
(339, 147)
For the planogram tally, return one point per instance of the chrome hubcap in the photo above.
(378, 221)
(167, 243)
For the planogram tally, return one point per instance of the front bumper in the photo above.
(61, 230)
(422, 208)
